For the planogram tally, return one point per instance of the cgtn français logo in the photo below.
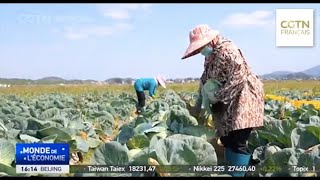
(294, 27)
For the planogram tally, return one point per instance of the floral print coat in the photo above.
(241, 97)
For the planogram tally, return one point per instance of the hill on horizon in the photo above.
(311, 73)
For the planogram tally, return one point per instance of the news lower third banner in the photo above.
(42, 158)
(54, 158)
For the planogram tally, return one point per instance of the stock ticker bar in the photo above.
(159, 169)
(54, 158)
(189, 169)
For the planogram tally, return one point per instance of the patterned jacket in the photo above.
(241, 98)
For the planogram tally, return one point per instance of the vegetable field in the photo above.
(103, 129)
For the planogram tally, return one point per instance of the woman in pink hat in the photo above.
(240, 99)
(150, 84)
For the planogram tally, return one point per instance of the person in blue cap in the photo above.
(150, 84)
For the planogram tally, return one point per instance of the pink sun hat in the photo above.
(199, 36)
(161, 80)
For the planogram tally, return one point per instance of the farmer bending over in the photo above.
(149, 84)
(239, 102)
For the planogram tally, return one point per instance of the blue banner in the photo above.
(42, 154)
